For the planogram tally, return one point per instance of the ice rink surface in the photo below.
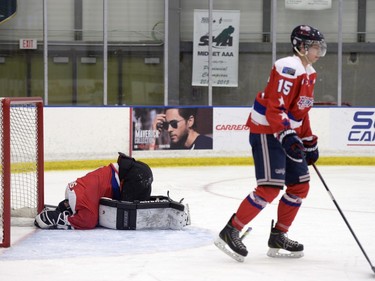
(213, 194)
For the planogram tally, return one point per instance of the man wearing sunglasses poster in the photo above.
(181, 125)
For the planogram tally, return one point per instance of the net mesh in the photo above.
(23, 138)
(24, 162)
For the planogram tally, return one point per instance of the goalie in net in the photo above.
(116, 196)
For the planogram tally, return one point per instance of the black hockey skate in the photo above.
(230, 236)
(279, 241)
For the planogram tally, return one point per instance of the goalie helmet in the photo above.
(136, 178)
(308, 36)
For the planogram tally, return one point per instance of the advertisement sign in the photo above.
(223, 130)
(230, 131)
(355, 129)
(225, 45)
(187, 128)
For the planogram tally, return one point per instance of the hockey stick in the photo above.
(343, 216)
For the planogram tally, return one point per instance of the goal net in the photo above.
(22, 163)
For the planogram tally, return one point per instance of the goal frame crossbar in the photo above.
(6, 173)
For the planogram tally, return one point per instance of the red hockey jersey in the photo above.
(286, 100)
(84, 195)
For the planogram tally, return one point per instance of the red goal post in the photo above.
(22, 161)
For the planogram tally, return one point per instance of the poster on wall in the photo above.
(308, 4)
(173, 128)
(225, 46)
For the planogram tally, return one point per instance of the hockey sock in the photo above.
(287, 211)
(289, 205)
(251, 206)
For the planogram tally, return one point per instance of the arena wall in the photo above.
(89, 133)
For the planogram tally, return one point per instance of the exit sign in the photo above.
(28, 44)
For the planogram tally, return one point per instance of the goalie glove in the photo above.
(64, 206)
(311, 149)
(292, 145)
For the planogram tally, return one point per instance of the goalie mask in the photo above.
(135, 178)
(308, 36)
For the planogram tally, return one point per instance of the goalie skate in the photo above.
(225, 249)
(52, 219)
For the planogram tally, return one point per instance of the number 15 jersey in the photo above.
(286, 100)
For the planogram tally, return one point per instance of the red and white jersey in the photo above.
(286, 100)
(84, 195)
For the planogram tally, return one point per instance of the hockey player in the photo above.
(128, 179)
(283, 146)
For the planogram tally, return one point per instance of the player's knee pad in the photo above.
(267, 193)
(300, 189)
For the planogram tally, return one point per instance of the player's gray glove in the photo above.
(292, 145)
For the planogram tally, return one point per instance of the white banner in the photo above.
(225, 32)
(355, 131)
(308, 4)
(341, 131)
(230, 132)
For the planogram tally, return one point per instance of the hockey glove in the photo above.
(311, 149)
(64, 206)
(292, 145)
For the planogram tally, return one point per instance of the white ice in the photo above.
(213, 194)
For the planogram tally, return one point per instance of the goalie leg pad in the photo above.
(158, 213)
(161, 218)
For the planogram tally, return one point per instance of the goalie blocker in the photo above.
(160, 212)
